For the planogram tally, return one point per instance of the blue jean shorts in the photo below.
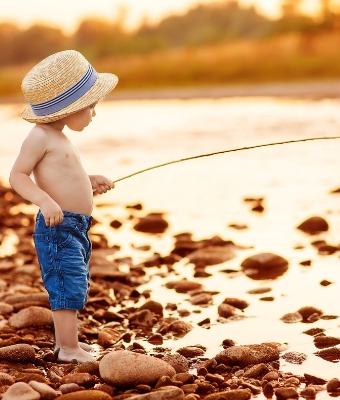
(64, 252)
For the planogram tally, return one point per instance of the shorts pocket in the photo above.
(43, 249)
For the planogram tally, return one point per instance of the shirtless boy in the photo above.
(62, 90)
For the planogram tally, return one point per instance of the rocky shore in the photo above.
(125, 369)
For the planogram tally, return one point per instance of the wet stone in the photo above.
(18, 353)
(178, 362)
(308, 392)
(264, 266)
(152, 223)
(126, 368)
(45, 391)
(86, 394)
(308, 311)
(333, 385)
(21, 391)
(286, 393)
(326, 341)
(164, 393)
(237, 303)
(292, 318)
(31, 316)
(236, 394)
(191, 351)
(247, 355)
(226, 310)
(314, 225)
(212, 255)
(294, 357)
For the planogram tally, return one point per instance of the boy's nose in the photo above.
(93, 113)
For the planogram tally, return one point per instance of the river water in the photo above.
(205, 196)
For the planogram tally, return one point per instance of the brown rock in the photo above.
(237, 394)
(226, 310)
(212, 255)
(191, 351)
(247, 355)
(292, 318)
(264, 266)
(20, 391)
(153, 306)
(333, 385)
(86, 394)
(163, 393)
(314, 225)
(126, 368)
(152, 223)
(180, 328)
(178, 362)
(108, 336)
(237, 303)
(286, 393)
(308, 311)
(45, 391)
(31, 316)
(18, 353)
(294, 357)
(80, 378)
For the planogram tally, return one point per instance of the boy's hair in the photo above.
(63, 84)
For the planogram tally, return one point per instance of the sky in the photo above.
(67, 13)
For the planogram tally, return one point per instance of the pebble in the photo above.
(80, 378)
(286, 392)
(45, 391)
(18, 353)
(126, 368)
(164, 393)
(314, 225)
(5, 308)
(152, 223)
(333, 385)
(86, 395)
(236, 394)
(108, 336)
(226, 310)
(6, 379)
(69, 388)
(21, 391)
(178, 362)
(295, 357)
(247, 355)
(212, 255)
(264, 266)
(31, 316)
(191, 351)
(237, 303)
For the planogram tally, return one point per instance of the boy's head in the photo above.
(61, 85)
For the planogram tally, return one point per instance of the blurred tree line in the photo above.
(208, 24)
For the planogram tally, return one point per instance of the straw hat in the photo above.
(63, 84)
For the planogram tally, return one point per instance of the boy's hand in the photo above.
(52, 213)
(101, 184)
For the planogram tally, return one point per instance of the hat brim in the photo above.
(103, 85)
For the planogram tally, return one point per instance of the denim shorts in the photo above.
(64, 252)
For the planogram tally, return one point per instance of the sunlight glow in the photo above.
(68, 14)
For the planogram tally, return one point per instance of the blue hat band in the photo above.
(68, 97)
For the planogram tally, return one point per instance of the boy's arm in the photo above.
(32, 151)
(100, 184)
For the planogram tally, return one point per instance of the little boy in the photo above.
(62, 90)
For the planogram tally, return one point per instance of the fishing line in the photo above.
(225, 151)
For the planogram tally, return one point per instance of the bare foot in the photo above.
(82, 345)
(67, 355)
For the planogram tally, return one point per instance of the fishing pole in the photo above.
(225, 151)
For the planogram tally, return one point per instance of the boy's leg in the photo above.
(82, 345)
(66, 330)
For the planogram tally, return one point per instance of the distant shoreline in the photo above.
(317, 90)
